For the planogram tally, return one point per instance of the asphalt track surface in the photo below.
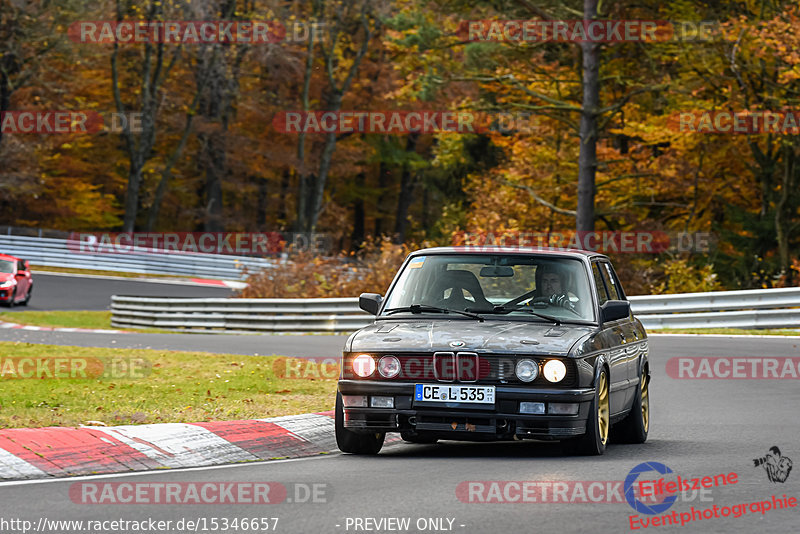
(249, 344)
(698, 428)
(80, 292)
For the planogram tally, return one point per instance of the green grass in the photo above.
(727, 331)
(60, 319)
(180, 387)
(72, 319)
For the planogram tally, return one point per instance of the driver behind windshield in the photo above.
(553, 287)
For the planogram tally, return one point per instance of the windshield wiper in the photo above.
(420, 308)
(503, 310)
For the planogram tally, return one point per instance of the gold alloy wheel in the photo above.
(645, 403)
(602, 408)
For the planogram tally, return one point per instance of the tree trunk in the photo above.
(132, 194)
(380, 209)
(587, 160)
(215, 158)
(283, 211)
(406, 192)
(166, 172)
(261, 204)
(357, 237)
(5, 94)
(303, 177)
(781, 235)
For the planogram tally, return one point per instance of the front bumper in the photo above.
(470, 422)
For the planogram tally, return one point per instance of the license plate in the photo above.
(444, 393)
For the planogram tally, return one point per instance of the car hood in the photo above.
(488, 336)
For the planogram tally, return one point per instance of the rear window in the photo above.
(611, 285)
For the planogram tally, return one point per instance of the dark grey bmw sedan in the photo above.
(497, 344)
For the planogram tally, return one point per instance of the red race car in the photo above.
(16, 283)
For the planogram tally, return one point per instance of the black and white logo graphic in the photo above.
(777, 467)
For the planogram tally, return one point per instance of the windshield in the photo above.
(512, 285)
(6, 266)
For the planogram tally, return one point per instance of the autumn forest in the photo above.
(625, 133)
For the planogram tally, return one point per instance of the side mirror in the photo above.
(614, 310)
(370, 302)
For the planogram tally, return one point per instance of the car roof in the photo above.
(482, 250)
(8, 257)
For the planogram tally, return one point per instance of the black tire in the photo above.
(353, 442)
(28, 297)
(10, 303)
(598, 426)
(636, 425)
(416, 438)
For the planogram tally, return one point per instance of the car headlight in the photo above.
(527, 370)
(364, 365)
(7, 283)
(389, 367)
(555, 370)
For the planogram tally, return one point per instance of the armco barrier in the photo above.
(62, 253)
(763, 308)
(239, 315)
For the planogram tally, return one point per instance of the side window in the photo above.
(601, 286)
(612, 283)
(21, 265)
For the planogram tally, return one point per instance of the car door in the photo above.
(612, 338)
(627, 328)
(23, 277)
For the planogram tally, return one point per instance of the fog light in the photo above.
(555, 371)
(562, 408)
(364, 365)
(381, 402)
(527, 370)
(531, 407)
(389, 367)
(354, 401)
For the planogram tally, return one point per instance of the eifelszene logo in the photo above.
(630, 485)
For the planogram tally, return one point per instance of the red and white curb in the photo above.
(232, 284)
(15, 326)
(27, 453)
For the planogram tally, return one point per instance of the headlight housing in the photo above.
(527, 370)
(7, 283)
(364, 365)
(554, 371)
(389, 367)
